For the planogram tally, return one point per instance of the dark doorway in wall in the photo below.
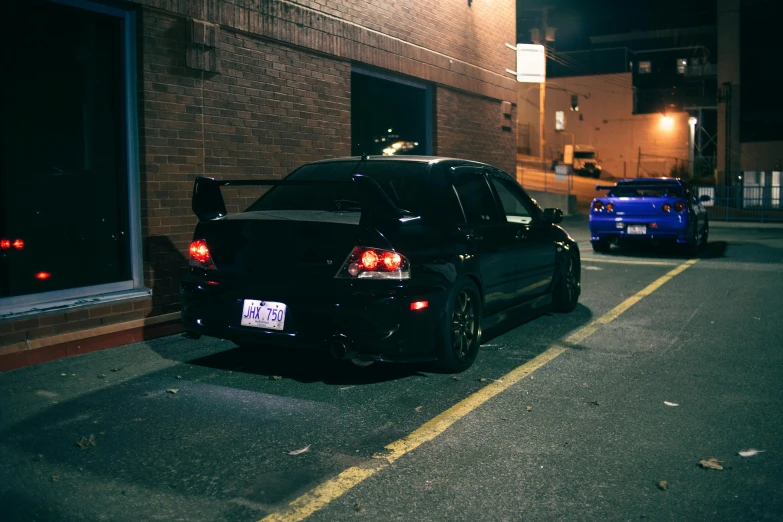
(389, 116)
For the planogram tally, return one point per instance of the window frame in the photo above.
(30, 304)
(479, 171)
(531, 206)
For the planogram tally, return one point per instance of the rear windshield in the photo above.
(584, 155)
(627, 190)
(403, 181)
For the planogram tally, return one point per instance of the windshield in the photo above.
(628, 190)
(403, 182)
(584, 155)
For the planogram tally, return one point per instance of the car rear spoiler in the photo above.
(376, 205)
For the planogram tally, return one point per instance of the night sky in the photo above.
(577, 20)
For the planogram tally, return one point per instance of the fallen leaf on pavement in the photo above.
(63, 374)
(750, 452)
(712, 463)
(595, 403)
(115, 369)
(483, 379)
(457, 378)
(138, 419)
(428, 483)
(85, 442)
(275, 378)
(101, 375)
(663, 485)
(172, 390)
(667, 403)
(179, 376)
(418, 408)
(299, 451)
(55, 478)
(357, 507)
(529, 408)
(757, 318)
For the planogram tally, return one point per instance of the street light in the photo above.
(692, 121)
(667, 122)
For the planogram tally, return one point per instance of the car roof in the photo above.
(411, 159)
(650, 180)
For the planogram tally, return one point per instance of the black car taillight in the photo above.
(598, 206)
(679, 206)
(200, 256)
(374, 263)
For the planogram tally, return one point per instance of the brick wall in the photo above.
(468, 127)
(476, 34)
(271, 109)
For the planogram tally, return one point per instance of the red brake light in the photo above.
(5, 244)
(374, 263)
(392, 260)
(598, 206)
(679, 206)
(370, 260)
(419, 305)
(609, 207)
(666, 207)
(199, 255)
(43, 275)
(18, 244)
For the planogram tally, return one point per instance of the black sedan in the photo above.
(399, 259)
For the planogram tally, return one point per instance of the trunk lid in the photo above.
(281, 246)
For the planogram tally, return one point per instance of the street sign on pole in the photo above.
(531, 63)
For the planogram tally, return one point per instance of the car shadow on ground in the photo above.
(712, 250)
(304, 365)
(308, 365)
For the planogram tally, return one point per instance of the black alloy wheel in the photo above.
(568, 283)
(460, 334)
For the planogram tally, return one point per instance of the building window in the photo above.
(559, 120)
(68, 170)
(682, 65)
(645, 67)
(390, 116)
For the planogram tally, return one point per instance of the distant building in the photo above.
(750, 116)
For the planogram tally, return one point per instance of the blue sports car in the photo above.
(649, 209)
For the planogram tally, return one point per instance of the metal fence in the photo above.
(743, 203)
(544, 176)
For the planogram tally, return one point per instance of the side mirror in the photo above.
(553, 215)
(704, 197)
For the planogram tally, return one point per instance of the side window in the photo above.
(476, 197)
(515, 209)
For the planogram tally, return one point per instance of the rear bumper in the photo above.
(663, 228)
(375, 321)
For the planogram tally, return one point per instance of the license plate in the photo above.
(637, 229)
(263, 314)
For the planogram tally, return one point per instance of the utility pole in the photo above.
(542, 36)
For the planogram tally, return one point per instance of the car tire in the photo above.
(565, 294)
(705, 234)
(602, 245)
(691, 248)
(459, 336)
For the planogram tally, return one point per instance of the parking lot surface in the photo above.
(666, 362)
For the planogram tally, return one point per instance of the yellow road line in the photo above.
(628, 261)
(335, 487)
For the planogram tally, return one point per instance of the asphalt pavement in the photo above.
(665, 363)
